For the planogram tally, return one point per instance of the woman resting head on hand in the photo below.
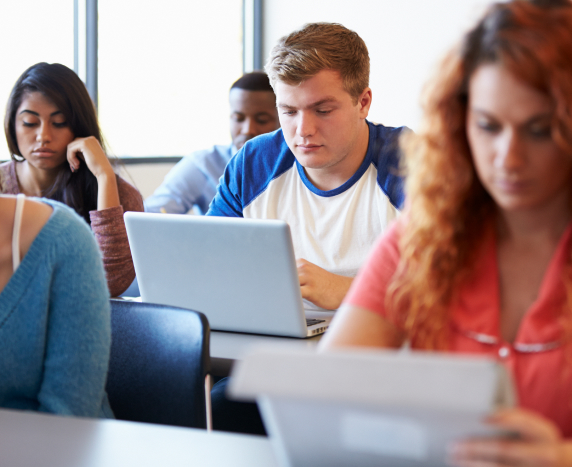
(54, 311)
(481, 260)
(57, 152)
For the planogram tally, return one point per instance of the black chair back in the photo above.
(158, 365)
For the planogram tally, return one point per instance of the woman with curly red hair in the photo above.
(481, 260)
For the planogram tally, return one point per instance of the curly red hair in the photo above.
(448, 208)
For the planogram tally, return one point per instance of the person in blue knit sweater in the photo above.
(55, 329)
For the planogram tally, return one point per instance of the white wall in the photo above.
(405, 39)
(145, 177)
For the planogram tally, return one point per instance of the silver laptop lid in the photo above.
(241, 273)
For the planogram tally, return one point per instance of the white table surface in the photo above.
(30, 439)
(226, 347)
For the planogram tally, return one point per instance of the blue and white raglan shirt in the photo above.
(333, 229)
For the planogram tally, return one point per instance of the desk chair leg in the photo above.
(209, 414)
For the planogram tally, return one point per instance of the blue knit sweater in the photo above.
(55, 323)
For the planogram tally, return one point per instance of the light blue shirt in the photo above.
(192, 182)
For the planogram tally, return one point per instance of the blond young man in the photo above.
(328, 172)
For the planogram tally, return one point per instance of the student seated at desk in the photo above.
(54, 311)
(328, 172)
(193, 181)
(481, 260)
(57, 152)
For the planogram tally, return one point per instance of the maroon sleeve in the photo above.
(8, 178)
(110, 233)
(368, 290)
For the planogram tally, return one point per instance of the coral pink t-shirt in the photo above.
(541, 366)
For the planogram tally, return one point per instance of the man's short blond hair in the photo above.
(321, 46)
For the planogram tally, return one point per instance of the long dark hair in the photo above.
(66, 91)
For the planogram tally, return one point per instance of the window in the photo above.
(31, 32)
(165, 68)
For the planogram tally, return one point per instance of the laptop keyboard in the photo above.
(312, 321)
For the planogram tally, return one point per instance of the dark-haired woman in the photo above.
(57, 152)
(481, 260)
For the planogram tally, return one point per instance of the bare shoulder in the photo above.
(34, 217)
(37, 212)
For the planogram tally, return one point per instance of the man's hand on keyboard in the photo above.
(322, 288)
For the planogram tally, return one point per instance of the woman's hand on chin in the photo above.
(89, 150)
(539, 444)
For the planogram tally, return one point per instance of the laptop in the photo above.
(241, 273)
(370, 408)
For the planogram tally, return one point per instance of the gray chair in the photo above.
(159, 368)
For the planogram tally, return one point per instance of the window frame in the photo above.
(86, 51)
